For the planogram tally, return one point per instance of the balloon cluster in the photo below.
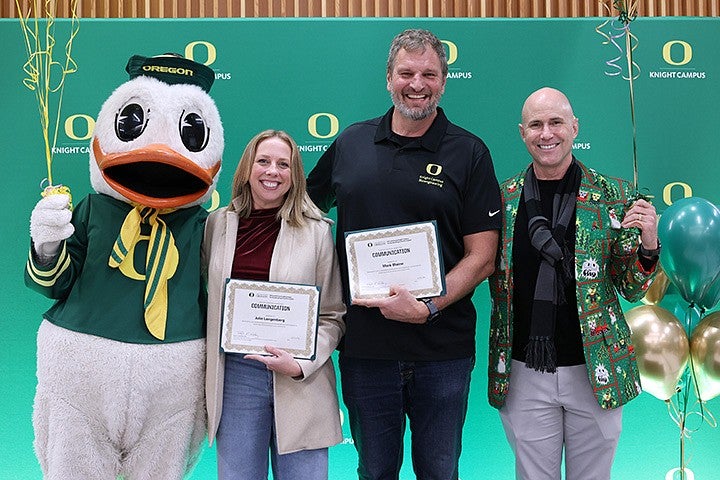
(690, 258)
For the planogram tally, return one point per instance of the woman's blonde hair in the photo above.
(297, 203)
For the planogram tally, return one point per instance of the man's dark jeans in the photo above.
(380, 393)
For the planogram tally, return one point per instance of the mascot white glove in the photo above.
(50, 224)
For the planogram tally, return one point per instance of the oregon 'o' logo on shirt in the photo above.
(433, 169)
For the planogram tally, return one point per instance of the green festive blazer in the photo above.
(606, 262)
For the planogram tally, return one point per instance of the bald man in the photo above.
(561, 360)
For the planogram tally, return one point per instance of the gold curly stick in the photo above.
(627, 13)
(40, 66)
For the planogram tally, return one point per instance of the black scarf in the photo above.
(556, 266)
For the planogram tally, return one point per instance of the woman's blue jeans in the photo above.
(246, 435)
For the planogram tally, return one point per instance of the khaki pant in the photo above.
(545, 413)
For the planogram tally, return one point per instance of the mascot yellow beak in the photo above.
(155, 175)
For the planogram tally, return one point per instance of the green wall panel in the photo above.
(314, 77)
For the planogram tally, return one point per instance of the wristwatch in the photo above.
(655, 252)
(434, 311)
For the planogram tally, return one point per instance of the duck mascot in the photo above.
(121, 352)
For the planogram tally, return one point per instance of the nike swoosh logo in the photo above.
(492, 214)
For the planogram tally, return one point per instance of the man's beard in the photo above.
(414, 113)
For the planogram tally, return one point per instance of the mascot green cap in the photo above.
(171, 69)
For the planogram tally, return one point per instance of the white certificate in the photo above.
(406, 255)
(283, 315)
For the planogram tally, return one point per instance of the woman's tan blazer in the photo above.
(306, 411)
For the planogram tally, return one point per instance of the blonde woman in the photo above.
(271, 231)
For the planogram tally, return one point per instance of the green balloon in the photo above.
(690, 234)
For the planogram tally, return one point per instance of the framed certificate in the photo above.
(283, 315)
(407, 255)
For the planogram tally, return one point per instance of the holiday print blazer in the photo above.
(606, 263)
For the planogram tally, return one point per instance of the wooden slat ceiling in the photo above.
(358, 8)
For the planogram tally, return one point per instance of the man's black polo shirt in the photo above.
(377, 179)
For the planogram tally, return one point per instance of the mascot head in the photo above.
(158, 140)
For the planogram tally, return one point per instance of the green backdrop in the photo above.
(314, 77)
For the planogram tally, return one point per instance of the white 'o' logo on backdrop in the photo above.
(668, 190)
(209, 49)
(689, 475)
(313, 125)
(686, 51)
(70, 130)
(452, 51)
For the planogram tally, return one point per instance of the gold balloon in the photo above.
(657, 289)
(705, 352)
(661, 347)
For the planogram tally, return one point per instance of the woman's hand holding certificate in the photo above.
(278, 361)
